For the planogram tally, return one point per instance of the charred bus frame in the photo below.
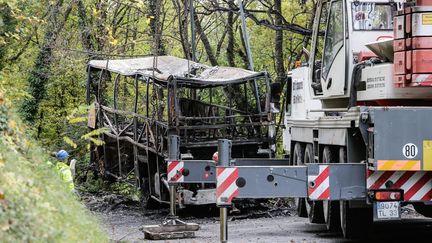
(154, 97)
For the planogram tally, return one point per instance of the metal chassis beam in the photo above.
(265, 181)
(269, 178)
(333, 181)
(204, 171)
(345, 181)
(191, 171)
(313, 181)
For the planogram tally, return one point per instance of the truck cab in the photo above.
(340, 34)
(340, 31)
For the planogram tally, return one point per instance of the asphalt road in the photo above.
(123, 225)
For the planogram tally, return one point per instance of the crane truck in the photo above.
(358, 116)
(365, 97)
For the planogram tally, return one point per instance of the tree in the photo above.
(39, 76)
(156, 25)
(182, 13)
(86, 35)
(279, 57)
(206, 42)
(7, 26)
(230, 34)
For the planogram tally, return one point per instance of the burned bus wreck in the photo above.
(140, 102)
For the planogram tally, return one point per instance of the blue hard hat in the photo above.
(62, 155)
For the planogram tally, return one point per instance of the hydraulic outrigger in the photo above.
(171, 227)
(264, 178)
(277, 179)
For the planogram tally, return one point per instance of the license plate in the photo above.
(387, 210)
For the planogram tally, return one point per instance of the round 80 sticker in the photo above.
(410, 150)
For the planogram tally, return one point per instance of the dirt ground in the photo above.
(123, 219)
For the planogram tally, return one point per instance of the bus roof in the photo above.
(185, 72)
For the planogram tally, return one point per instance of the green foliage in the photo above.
(35, 204)
(3, 117)
(92, 184)
(51, 79)
(95, 132)
(70, 142)
(40, 74)
(7, 27)
(126, 189)
(78, 118)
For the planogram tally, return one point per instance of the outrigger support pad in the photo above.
(172, 227)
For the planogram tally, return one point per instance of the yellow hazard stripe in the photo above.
(399, 165)
(427, 155)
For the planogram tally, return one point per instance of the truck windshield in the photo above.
(372, 16)
(334, 36)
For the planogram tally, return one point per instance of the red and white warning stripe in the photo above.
(319, 185)
(226, 188)
(422, 80)
(175, 171)
(417, 185)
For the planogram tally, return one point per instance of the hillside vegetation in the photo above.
(35, 205)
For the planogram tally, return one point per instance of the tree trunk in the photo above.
(101, 37)
(155, 26)
(182, 15)
(41, 70)
(307, 38)
(230, 35)
(85, 30)
(279, 57)
(242, 52)
(205, 42)
(220, 42)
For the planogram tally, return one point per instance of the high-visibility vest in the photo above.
(65, 174)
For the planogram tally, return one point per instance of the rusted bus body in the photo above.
(142, 101)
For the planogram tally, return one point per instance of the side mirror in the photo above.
(275, 96)
(316, 82)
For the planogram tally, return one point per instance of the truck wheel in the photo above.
(297, 159)
(354, 221)
(423, 209)
(314, 208)
(331, 208)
